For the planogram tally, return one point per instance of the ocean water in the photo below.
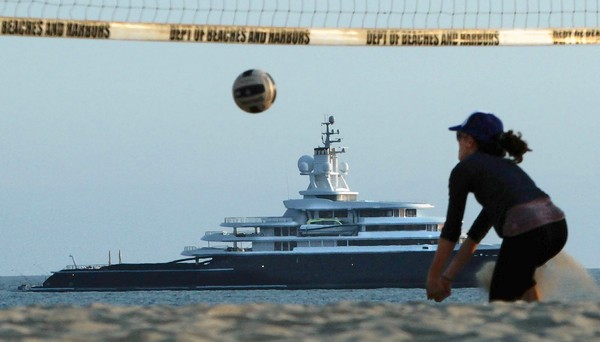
(11, 297)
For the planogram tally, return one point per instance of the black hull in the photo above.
(267, 271)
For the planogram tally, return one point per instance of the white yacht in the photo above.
(327, 239)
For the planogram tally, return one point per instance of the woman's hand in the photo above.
(447, 284)
(438, 288)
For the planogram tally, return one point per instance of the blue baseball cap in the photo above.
(483, 127)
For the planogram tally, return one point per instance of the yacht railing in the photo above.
(239, 234)
(277, 219)
(84, 267)
(215, 232)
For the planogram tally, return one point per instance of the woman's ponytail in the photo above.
(514, 145)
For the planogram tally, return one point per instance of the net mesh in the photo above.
(343, 18)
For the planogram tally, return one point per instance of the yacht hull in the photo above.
(252, 270)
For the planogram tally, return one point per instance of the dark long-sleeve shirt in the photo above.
(497, 183)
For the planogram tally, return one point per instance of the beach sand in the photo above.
(344, 321)
(570, 311)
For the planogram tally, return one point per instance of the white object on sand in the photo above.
(562, 278)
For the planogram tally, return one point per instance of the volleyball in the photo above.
(254, 91)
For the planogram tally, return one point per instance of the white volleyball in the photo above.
(254, 91)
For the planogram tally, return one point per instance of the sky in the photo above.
(138, 147)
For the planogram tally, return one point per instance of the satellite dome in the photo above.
(344, 168)
(305, 164)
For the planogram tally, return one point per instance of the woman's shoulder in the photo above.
(482, 162)
(487, 159)
(474, 159)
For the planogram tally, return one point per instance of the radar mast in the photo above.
(326, 174)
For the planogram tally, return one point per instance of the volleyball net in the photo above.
(311, 22)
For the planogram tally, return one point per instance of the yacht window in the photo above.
(380, 213)
(325, 214)
(285, 246)
(433, 227)
(340, 214)
(393, 242)
(332, 214)
(393, 228)
(285, 231)
(411, 212)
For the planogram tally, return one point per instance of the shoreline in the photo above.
(343, 321)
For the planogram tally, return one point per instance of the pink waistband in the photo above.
(528, 216)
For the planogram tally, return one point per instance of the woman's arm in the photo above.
(458, 190)
(460, 260)
(439, 284)
(436, 289)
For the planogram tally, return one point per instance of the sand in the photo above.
(344, 321)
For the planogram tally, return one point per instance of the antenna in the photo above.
(327, 141)
(72, 258)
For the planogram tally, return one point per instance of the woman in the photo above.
(533, 229)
